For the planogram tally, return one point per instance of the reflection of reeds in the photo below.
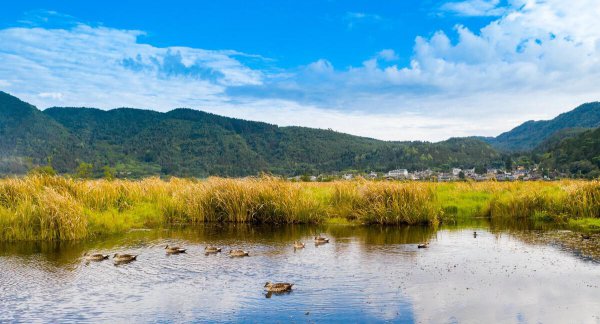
(58, 208)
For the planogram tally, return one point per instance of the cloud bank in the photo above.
(537, 59)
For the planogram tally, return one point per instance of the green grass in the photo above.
(586, 224)
(462, 202)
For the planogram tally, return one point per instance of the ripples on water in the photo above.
(365, 274)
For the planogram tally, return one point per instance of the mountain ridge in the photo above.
(187, 142)
(532, 133)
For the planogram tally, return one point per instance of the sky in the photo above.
(393, 70)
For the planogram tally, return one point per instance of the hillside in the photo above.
(186, 142)
(28, 137)
(532, 133)
(577, 155)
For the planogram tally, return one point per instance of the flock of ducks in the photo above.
(279, 287)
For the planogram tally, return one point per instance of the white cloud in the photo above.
(98, 66)
(474, 8)
(51, 95)
(387, 55)
(541, 58)
(538, 59)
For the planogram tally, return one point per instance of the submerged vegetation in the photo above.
(43, 207)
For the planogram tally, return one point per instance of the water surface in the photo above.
(507, 273)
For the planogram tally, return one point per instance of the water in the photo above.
(366, 274)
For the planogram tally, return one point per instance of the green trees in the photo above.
(186, 142)
(531, 134)
(480, 169)
(578, 156)
(109, 173)
(43, 170)
(84, 171)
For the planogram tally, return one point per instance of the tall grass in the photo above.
(57, 208)
(385, 202)
(558, 201)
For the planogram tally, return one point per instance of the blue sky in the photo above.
(291, 32)
(397, 70)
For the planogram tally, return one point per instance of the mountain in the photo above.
(559, 136)
(28, 136)
(532, 133)
(577, 155)
(186, 142)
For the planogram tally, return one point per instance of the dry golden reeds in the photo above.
(41, 207)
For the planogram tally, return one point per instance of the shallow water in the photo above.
(366, 274)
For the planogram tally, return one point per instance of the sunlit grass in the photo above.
(59, 208)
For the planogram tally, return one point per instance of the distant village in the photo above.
(455, 174)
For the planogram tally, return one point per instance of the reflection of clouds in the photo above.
(498, 279)
(346, 280)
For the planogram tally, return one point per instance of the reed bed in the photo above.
(58, 208)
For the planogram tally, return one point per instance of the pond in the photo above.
(506, 273)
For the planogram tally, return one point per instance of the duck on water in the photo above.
(174, 249)
(278, 287)
(212, 249)
(95, 256)
(124, 258)
(238, 253)
(321, 240)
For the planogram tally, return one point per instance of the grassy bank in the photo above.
(57, 208)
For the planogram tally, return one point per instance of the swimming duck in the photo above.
(298, 245)
(238, 253)
(278, 287)
(95, 256)
(423, 245)
(212, 249)
(124, 258)
(174, 249)
(320, 239)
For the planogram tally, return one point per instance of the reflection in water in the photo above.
(363, 274)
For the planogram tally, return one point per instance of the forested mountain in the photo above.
(532, 133)
(187, 142)
(28, 137)
(577, 155)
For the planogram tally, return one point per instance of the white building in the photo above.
(400, 173)
(456, 172)
(348, 176)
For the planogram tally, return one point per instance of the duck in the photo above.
(278, 287)
(320, 239)
(174, 249)
(298, 245)
(124, 258)
(239, 253)
(423, 245)
(212, 249)
(586, 236)
(95, 256)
